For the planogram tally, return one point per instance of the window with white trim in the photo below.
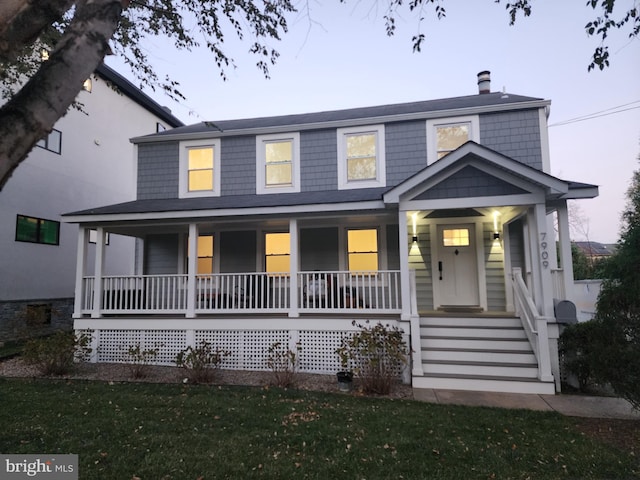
(362, 250)
(278, 163)
(200, 168)
(444, 135)
(361, 157)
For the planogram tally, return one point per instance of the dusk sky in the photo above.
(338, 56)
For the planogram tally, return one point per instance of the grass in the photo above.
(189, 432)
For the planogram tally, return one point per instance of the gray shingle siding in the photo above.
(319, 160)
(238, 156)
(158, 169)
(406, 145)
(514, 134)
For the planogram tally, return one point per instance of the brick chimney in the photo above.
(484, 82)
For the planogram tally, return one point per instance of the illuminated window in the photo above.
(205, 254)
(200, 168)
(277, 252)
(277, 167)
(455, 237)
(37, 230)
(362, 246)
(361, 157)
(447, 134)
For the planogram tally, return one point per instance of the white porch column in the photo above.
(192, 270)
(81, 262)
(508, 282)
(566, 260)
(543, 247)
(98, 271)
(405, 293)
(294, 264)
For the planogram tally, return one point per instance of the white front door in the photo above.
(456, 271)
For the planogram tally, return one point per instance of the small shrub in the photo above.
(201, 362)
(55, 355)
(575, 346)
(283, 364)
(376, 354)
(138, 360)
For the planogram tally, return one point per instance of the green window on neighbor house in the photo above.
(200, 168)
(37, 230)
(279, 163)
(362, 248)
(277, 249)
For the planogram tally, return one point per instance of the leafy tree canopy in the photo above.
(79, 33)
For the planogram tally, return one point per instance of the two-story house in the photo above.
(86, 160)
(435, 216)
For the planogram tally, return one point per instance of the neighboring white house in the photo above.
(87, 160)
(434, 216)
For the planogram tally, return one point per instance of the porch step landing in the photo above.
(478, 354)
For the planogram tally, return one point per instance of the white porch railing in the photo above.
(335, 291)
(535, 325)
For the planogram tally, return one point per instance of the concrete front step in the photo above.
(508, 356)
(483, 384)
(512, 370)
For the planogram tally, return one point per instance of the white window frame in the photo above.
(432, 124)
(184, 168)
(261, 163)
(381, 175)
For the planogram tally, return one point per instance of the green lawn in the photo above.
(159, 431)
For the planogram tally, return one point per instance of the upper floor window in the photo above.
(200, 168)
(52, 142)
(447, 134)
(362, 246)
(37, 230)
(277, 163)
(361, 157)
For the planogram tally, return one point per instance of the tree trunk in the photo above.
(33, 111)
(22, 21)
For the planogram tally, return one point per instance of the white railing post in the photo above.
(544, 354)
(99, 266)
(404, 266)
(293, 268)
(416, 343)
(81, 261)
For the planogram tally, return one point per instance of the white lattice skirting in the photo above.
(248, 348)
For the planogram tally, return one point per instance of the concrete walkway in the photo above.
(569, 405)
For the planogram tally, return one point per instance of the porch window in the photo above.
(361, 157)
(455, 237)
(200, 168)
(277, 168)
(446, 135)
(362, 246)
(205, 254)
(277, 252)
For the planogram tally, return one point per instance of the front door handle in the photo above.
(440, 269)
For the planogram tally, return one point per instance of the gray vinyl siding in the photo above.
(158, 169)
(161, 254)
(238, 170)
(406, 150)
(494, 270)
(319, 249)
(238, 252)
(420, 261)
(514, 134)
(318, 160)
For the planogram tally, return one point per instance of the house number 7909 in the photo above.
(544, 253)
